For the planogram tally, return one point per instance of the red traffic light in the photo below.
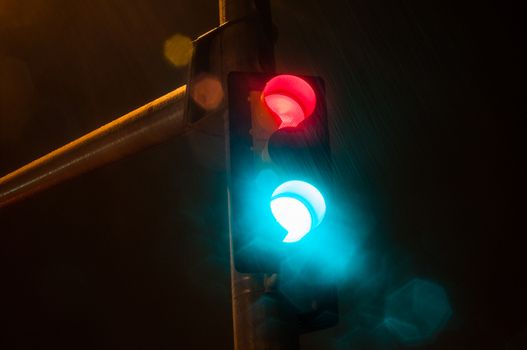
(290, 98)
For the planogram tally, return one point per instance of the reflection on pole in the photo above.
(148, 125)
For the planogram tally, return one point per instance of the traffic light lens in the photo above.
(293, 216)
(287, 109)
(290, 98)
(298, 207)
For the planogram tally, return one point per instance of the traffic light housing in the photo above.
(279, 164)
(280, 211)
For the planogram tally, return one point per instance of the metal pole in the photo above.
(150, 124)
(262, 318)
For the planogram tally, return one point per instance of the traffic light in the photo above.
(280, 211)
(280, 168)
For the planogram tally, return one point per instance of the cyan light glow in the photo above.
(298, 207)
(417, 311)
(293, 215)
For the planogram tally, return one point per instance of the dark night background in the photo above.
(135, 255)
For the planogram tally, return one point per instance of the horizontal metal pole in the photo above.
(147, 125)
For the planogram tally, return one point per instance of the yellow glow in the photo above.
(178, 50)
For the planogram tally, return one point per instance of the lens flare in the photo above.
(298, 207)
(178, 50)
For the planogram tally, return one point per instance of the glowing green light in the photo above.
(298, 207)
(293, 215)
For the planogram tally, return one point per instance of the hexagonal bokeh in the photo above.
(417, 311)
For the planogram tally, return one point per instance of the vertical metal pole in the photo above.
(262, 319)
